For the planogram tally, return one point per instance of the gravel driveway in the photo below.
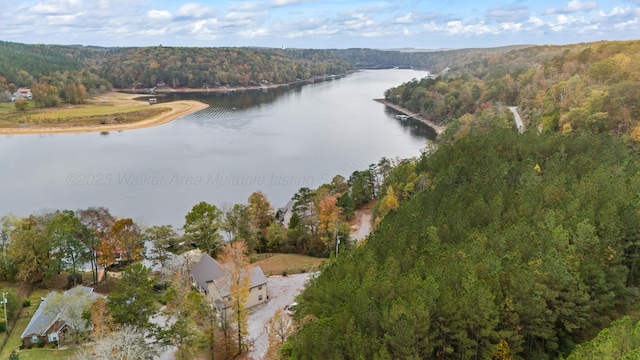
(281, 290)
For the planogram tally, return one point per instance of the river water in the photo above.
(275, 141)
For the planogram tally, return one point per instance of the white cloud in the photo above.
(251, 34)
(536, 22)
(404, 19)
(284, 2)
(64, 19)
(507, 13)
(159, 14)
(572, 6)
(194, 11)
(511, 26)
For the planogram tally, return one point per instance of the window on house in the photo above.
(260, 287)
(34, 339)
(260, 298)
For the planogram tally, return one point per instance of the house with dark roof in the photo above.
(209, 277)
(48, 326)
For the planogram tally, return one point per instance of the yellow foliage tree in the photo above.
(503, 352)
(235, 267)
(279, 330)
(327, 217)
(389, 202)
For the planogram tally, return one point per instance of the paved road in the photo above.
(519, 124)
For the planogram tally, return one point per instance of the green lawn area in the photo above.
(9, 107)
(276, 264)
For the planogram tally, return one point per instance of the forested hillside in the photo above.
(433, 61)
(99, 69)
(593, 87)
(520, 244)
(195, 67)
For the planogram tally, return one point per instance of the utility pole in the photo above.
(4, 304)
(337, 239)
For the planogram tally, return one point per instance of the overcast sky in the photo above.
(318, 23)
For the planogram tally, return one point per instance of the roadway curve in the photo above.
(519, 124)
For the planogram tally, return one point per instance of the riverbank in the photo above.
(439, 129)
(111, 104)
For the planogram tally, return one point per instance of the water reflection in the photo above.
(275, 141)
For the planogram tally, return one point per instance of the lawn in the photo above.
(277, 264)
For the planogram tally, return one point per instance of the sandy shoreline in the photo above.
(439, 129)
(177, 109)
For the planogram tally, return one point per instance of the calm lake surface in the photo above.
(276, 141)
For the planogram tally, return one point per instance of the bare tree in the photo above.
(124, 344)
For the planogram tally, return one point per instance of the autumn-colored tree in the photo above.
(45, 95)
(328, 213)
(280, 328)
(389, 202)
(503, 352)
(185, 309)
(21, 104)
(126, 234)
(101, 319)
(235, 267)
(30, 250)
(99, 220)
(261, 214)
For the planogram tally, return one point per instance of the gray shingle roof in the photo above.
(42, 320)
(209, 270)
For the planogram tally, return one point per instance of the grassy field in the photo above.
(277, 264)
(111, 109)
(9, 107)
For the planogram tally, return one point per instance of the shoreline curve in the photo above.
(177, 109)
(439, 129)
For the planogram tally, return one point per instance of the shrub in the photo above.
(41, 343)
(284, 273)
(3, 326)
(21, 104)
(21, 346)
(26, 303)
(303, 271)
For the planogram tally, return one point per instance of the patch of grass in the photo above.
(45, 353)
(14, 338)
(276, 264)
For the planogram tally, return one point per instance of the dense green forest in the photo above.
(521, 244)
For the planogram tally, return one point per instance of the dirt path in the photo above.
(177, 109)
(362, 226)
